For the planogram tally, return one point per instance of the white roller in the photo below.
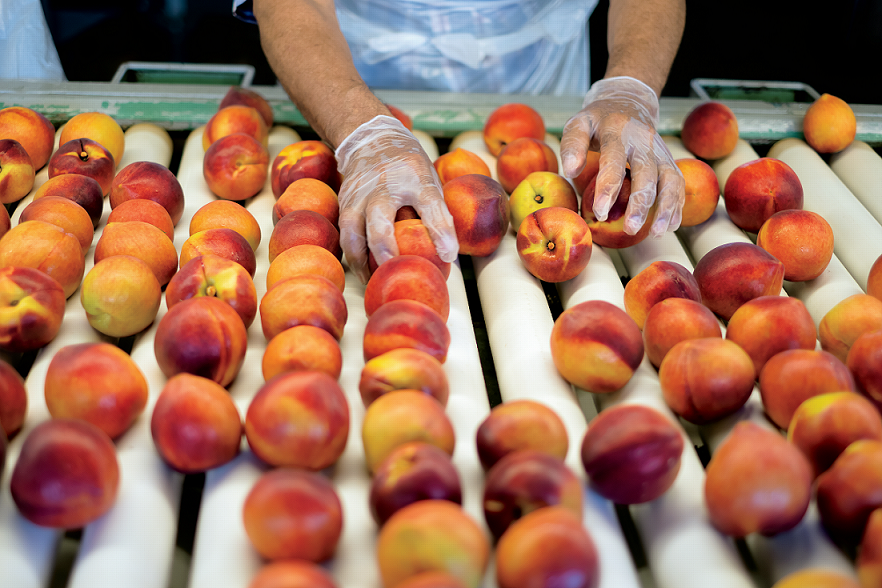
(146, 142)
(428, 143)
(860, 169)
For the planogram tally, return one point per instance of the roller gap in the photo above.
(553, 298)
(25, 362)
(65, 557)
(491, 383)
(126, 343)
(179, 139)
(632, 536)
(747, 557)
(188, 513)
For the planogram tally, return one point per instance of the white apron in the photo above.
(26, 44)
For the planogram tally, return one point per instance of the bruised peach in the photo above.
(306, 259)
(48, 248)
(406, 323)
(226, 214)
(303, 300)
(673, 320)
(308, 194)
(147, 180)
(520, 425)
(850, 490)
(148, 211)
(302, 348)
(304, 227)
(459, 162)
(141, 240)
(509, 122)
(756, 190)
(120, 295)
(522, 157)
(479, 207)
(31, 308)
(864, 360)
(710, 130)
(409, 277)
(221, 242)
(658, 281)
(848, 320)
(413, 238)
(222, 278)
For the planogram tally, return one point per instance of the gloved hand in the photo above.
(384, 168)
(618, 118)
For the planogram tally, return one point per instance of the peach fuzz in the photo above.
(238, 95)
(406, 324)
(304, 159)
(30, 128)
(816, 578)
(120, 295)
(16, 172)
(293, 515)
(658, 281)
(824, 425)
(702, 191)
(611, 232)
(522, 157)
(13, 401)
(31, 308)
(62, 213)
(235, 167)
(236, 118)
(225, 243)
(848, 320)
(750, 465)
(308, 194)
(869, 557)
(509, 122)
(298, 419)
(849, 492)
(148, 181)
(146, 211)
(874, 279)
(413, 238)
(756, 190)
(479, 207)
(829, 124)
(673, 320)
(432, 535)
(409, 277)
(710, 130)
(793, 376)
(141, 240)
(45, 247)
(554, 244)
(306, 259)
(201, 336)
(83, 190)
(212, 275)
(302, 348)
(459, 162)
(801, 239)
(519, 425)
(401, 416)
(99, 127)
(304, 227)
(292, 574)
(403, 369)
(596, 346)
(306, 299)
(864, 360)
(84, 157)
(540, 190)
(226, 214)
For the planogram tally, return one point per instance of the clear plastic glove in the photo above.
(618, 118)
(384, 168)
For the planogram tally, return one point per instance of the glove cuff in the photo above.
(627, 88)
(367, 131)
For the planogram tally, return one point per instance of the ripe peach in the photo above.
(146, 211)
(596, 346)
(306, 259)
(554, 244)
(5, 221)
(850, 491)
(869, 557)
(611, 232)
(829, 124)
(406, 324)
(304, 159)
(13, 401)
(302, 348)
(758, 189)
(519, 425)
(238, 95)
(201, 336)
(847, 321)
(407, 277)
(413, 238)
(401, 116)
(292, 574)
(308, 194)
(479, 207)
(793, 376)
(459, 162)
(45, 247)
(16, 171)
(509, 122)
(816, 578)
(98, 383)
(63, 213)
(226, 214)
(235, 166)
(702, 191)
(304, 227)
(748, 467)
(222, 278)
(141, 240)
(710, 130)
(432, 580)
(84, 157)
(432, 535)
(874, 279)
(98, 127)
(30, 128)
(538, 190)
(233, 119)
(225, 243)
(521, 157)
(31, 308)
(67, 474)
(729, 275)
(146, 180)
(195, 424)
(120, 295)
(83, 190)
(298, 419)
(306, 299)
(292, 514)
(801, 239)
(864, 360)
(659, 281)
(403, 369)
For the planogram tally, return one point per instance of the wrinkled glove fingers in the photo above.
(353, 241)
(671, 198)
(380, 227)
(609, 175)
(439, 222)
(644, 180)
(574, 144)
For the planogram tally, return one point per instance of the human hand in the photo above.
(384, 168)
(619, 118)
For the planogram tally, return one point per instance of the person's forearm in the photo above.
(643, 37)
(309, 55)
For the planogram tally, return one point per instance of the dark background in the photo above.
(835, 49)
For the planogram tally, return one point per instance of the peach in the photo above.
(16, 171)
(222, 278)
(406, 324)
(238, 95)
(850, 490)
(413, 238)
(758, 189)
(592, 166)
(795, 375)
(304, 159)
(479, 207)
(84, 157)
(704, 380)
(195, 424)
(306, 259)
(45, 247)
(869, 557)
(658, 281)
(308, 194)
(225, 243)
(702, 191)
(459, 162)
(816, 578)
(83, 190)
(141, 240)
(401, 416)
(292, 574)
(710, 130)
(864, 361)
(303, 300)
(67, 474)
(99, 127)
(509, 122)
(521, 157)
(13, 401)
(293, 515)
(63, 213)
(302, 348)
(146, 211)
(767, 325)
(226, 214)
(235, 166)
(432, 536)
(406, 213)
(848, 320)
(30, 128)
(235, 119)
(611, 232)
(554, 244)
(304, 227)
(631, 453)
(407, 277)
(5, 221)
(31, 308)
(801, 239)
(519, 425)
(403, 369)
(146, 180)
(874, 279)
(121, 296)
(539, 190)
(731, 274)
(824, 425)
(829, 124)
(202, 336)
(432, 580)
(596, 346)
(298, 419)
(524, 481)
(412, 472)
(749, 466)
(401, 116)
(546, 544)
(98, 383)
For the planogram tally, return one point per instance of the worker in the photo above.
(326, 56)
(26, 43)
